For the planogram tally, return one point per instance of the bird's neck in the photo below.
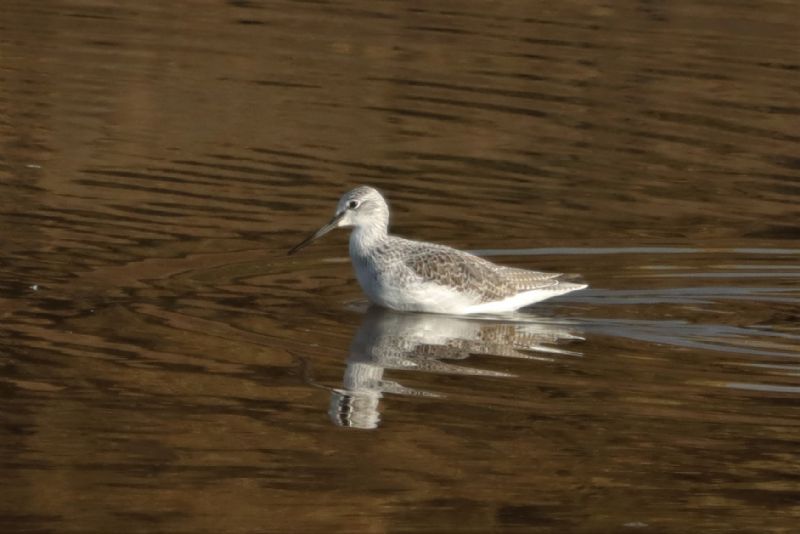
(365, 238)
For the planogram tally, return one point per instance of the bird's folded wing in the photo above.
(467, 273)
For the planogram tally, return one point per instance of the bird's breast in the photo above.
(368, 276)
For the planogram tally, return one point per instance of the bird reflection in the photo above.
(420, 342)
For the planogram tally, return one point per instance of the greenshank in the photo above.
(407, 275)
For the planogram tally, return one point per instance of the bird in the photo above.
(416, 276)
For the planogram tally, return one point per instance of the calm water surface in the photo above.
(165, 367)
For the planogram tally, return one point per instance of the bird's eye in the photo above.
(352, 204)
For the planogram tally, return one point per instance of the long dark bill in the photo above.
(319, 233)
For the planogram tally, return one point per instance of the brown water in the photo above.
(165, 367)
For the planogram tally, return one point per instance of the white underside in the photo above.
(521, 299)
(434, 298)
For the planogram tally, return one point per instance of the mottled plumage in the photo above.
(408, 275)
(469, 273)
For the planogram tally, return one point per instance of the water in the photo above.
(164, 366)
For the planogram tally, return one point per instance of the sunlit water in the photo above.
(164, 366)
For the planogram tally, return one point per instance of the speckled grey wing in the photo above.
(470, 274)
